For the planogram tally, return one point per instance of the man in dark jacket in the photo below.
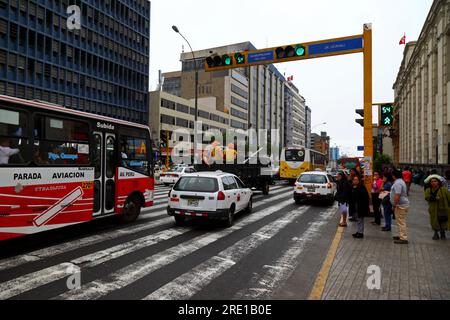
(343, 195)
(359, 205)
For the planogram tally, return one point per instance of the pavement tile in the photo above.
(418, 271)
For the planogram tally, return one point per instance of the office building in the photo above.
(421, 132)
(101, 67)
(295, 117)
(253, 97)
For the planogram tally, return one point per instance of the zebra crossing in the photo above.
(153, 259)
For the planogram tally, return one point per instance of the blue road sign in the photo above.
(336, 46)
(261, 56)
(361, 148)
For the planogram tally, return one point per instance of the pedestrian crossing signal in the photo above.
(386, 115)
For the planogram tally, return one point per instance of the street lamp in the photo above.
(175, 28)
(318, 125)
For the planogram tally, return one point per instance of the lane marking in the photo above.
(263, 286)
(322, 277)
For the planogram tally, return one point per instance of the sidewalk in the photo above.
(418, 271)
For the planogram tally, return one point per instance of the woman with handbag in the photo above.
(438, 199)
(386, 202)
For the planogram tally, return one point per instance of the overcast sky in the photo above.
(333, 87)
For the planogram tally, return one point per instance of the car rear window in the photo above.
(312, 178)
(197, 184)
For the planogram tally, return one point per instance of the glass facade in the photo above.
(102, 67)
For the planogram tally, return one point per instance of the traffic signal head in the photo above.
(239, 58)
(296, 51)
(386, 115)
(361, 113)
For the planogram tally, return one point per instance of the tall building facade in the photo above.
(295, 117)
(422, 93)
(101, 67)
(308, 113)
(254, 96)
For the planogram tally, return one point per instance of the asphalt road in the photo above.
(274, 253)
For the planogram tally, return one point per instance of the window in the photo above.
(295, 155)
(239, 114)
(203, 114)
(165, 119)
(13, 137)
(313, 178)
(239, 103)
(238, 125)
(182, 123)
(134, 154)
(61, 142)
(182, 108)
(239, 91)
(167, 104)
(229, 183)
(197, 184)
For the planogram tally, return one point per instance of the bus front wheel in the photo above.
(131, 210)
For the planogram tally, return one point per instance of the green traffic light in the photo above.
(240, 58)
(227, 60)
(300, 51)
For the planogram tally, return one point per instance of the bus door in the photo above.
(105, 150)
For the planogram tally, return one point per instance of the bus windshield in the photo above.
(295, 155)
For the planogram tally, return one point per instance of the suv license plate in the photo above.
(193, 202)
(311, 189)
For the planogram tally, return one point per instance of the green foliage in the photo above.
(382, 160)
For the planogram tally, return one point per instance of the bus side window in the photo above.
(13, 137)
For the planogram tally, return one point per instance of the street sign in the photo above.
(361, 148)
(257, 57)
(338, 46)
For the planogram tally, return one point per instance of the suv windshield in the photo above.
(197, 184)
(313, 178)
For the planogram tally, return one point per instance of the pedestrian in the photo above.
(438, 199)
(343, 197)
(359, 205)
(376, 202)
(407, 177)
(400, 205)
(386, 202)
(447, 179)
(6, 151)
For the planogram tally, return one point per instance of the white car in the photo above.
(209, 195)
(173, 175)
(315, 186)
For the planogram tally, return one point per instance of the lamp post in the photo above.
(318, 125)
(175, 28)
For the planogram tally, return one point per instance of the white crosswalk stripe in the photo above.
(187, 285)
(190, 281)
(263, 286)
(136, 271)
(77, 244)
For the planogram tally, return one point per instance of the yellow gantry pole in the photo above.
(368, 123)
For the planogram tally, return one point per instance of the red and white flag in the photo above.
(403, 40)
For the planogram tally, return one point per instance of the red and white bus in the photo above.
(60, 167)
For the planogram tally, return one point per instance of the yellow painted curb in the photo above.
(322, 277)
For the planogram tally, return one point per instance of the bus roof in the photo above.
(58, 108)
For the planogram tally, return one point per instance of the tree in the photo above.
(381, 161)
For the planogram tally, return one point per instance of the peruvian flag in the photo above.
(403, 40)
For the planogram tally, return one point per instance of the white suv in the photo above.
(172, 176)
(315, 186)
(209, 195)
